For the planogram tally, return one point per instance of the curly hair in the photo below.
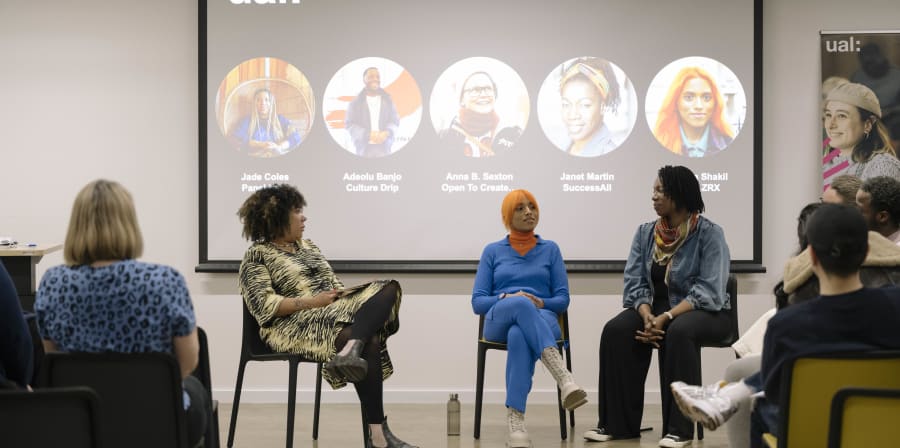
(885, 192)
(266, 214)
(680, 184)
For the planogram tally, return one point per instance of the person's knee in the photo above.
(393, 288)
(680, 333)
(621, 326)
(519, 303)
(514, 336)
(742, 368)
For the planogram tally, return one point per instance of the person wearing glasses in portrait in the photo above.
(588, 90)
(691, 120)
(477, 128)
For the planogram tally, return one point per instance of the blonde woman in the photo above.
(104, 300)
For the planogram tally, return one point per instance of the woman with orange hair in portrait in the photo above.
(521, 288)
(691, 119)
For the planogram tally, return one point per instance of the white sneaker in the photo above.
(673, 441)
(518, 439)
(572, 396)
(597, 435)
(703, 404)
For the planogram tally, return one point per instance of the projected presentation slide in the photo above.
(404, 124)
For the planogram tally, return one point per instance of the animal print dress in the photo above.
(269, 274)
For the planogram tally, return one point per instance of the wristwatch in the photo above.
(501, 296)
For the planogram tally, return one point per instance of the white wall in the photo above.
(109, 89)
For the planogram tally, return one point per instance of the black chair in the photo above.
(730, 338)
(484, 345)
(50, 417)
(140, 394)
(202, 373)
(254, 349)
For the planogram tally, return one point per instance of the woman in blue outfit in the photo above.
(265, 133)
(104, 300)
(521, 287)
(675, 280)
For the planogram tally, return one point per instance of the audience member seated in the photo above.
(104, 300)
(674, 298)
(879, 201)
(842, 190)
(302, 307)
(16, 351)
(849, 315)
(521, 287)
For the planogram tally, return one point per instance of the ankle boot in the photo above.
(572, 395)
(518, 435)
(350, 366)
(392, 440)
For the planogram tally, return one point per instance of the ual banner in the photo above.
(860, 104)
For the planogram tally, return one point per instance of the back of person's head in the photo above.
(838, 236)
(802, 220)
(103, 225)
(511, 201)
(266, 214)
(681, 186)
(885, 196)
(845, 187)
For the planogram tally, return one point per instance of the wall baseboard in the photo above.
(399, 396)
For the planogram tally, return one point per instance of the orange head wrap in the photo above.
(511, 201)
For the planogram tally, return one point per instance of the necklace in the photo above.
(287, 247)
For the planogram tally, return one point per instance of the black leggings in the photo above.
(370, 317)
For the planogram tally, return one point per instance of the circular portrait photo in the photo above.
(695, 107)
(587, 106)
(265, 107)
(372, 107)
(479, 107)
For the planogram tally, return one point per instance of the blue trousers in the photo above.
(527, 331)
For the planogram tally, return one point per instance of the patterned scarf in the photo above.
(522, 242)
(669, 239)
(477, 124)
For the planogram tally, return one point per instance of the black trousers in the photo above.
(624, 363)
(370, 317)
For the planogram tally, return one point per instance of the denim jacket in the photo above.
(698, 274)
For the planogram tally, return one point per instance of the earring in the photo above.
(867, 135)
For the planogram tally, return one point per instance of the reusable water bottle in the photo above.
(453, 415)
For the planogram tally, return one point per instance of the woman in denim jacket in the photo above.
(675, 281)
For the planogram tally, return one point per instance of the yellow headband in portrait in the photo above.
(593, 75)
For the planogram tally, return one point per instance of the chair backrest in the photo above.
(66, 417)
(140, 394)
(864, 417)
(252, 345)
(734, 332)
(202, 372)
(809, 383)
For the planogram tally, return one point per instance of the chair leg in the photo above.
(237, 401)
(479, 390)
(365, 428)
(562, 415)
(318, 402)
(292, 401)
(700, 376)
(569, 366)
